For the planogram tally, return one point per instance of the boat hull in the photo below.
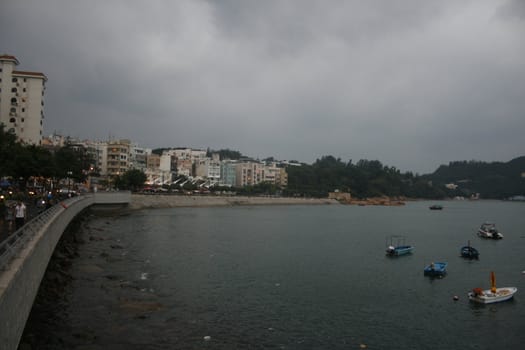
(489, 235)
(437, 269)
(487, 297)
(398, 251)
(469, 252)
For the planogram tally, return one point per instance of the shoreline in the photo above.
(158, 201)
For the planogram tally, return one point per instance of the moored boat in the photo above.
(492, 295)
(469, 252)
(436, 207)
(489, 230)
(396, 246)
(436, 269)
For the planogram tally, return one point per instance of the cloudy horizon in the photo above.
(414, 84)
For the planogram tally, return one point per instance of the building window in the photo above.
(14, 80)
(24, 90)
(14, 90)
(12, 120)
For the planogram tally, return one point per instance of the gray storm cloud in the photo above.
(414, 84)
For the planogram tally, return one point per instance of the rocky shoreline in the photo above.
(385, 201)
(157, 201)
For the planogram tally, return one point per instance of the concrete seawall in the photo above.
(25, 265)
(145, 201)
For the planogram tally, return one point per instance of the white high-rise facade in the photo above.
(21, 101)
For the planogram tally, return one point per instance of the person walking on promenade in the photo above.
(10, 216)
(20, 214)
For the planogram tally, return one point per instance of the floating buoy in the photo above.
(456, 298)
(207, 338)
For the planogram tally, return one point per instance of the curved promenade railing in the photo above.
(16, 241)
(24, 257)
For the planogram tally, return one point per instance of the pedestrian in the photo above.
(10, 216)
(20, 214)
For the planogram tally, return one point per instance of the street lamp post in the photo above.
(69, 173)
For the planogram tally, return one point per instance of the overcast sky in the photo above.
(411, 83)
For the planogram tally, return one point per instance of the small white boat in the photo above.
(492, 295)
(489, 230)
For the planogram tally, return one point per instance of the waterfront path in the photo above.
(25, 254)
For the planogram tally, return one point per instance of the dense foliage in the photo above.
(20, 162)
(371, 178)
(366, 178)
(495, 180)
(131, 180)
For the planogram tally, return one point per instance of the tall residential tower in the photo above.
(21, 101)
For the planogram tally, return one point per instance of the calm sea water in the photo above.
(293, 277)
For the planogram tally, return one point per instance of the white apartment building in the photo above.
(118, 157)
(183, 160)
(209, 168)
(249, 173)
(138, 157)
(228, 173)
(100, 156)
(186, 153)
(276, 175)
(21, 101)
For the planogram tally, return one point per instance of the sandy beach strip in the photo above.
(145, 201)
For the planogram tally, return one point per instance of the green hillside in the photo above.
(495, 180)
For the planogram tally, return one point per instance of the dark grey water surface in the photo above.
(294, 277)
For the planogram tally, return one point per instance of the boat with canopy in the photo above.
(492, 295)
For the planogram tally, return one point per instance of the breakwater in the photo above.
(145, 201)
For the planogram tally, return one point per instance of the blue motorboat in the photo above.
(396, 246)
(469, 252)
(436, 269)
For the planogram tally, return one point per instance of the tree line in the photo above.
(370, 178)
(364, 179)
(493, 180)
(20, 161)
